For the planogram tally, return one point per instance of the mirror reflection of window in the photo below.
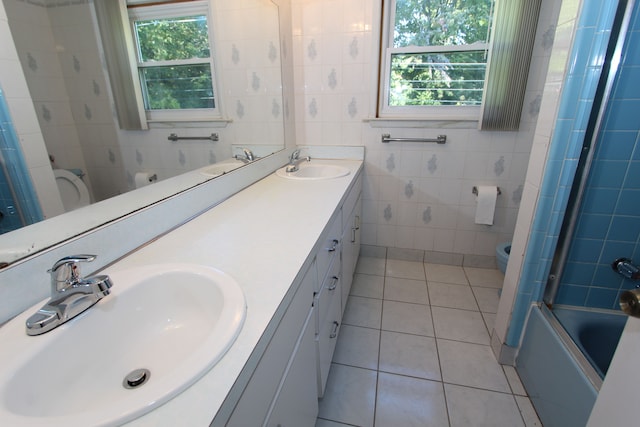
(176, 69)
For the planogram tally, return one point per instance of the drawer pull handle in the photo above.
(334, 333)
(334, 245)
(357, 222)
(353, 234)
(334, 284)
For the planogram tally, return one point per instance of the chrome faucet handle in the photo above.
(65, 272)
(626, 267)
(295, 155)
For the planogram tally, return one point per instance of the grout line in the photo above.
(435, 337)
(444, 392)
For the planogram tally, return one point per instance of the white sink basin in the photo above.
(176, 320)
(314, 171)
(222, 167)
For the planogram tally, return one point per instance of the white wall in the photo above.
(64, 69)
(416, 196)
(25, 123)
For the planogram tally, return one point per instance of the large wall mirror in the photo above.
(63, 63)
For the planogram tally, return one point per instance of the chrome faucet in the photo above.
(70, 294)
(248, 156)
(294, 161)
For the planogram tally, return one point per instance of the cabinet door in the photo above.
(326, 342)
(257, 397)
(296, 404)
(350, 251)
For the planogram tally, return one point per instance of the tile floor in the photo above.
(414, 351)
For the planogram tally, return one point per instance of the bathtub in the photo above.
(596, 333)
(562, 369)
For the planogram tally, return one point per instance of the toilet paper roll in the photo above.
(143, 178)
(486, 204)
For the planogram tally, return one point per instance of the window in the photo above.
(174, 60)
(437, 62)
(434, 57)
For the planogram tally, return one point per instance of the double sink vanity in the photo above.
(230, 319)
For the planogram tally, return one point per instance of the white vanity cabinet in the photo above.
(296, 402)
(351, 214)
(328, 310)
(284, 382)
(337, 279)
(292, 372)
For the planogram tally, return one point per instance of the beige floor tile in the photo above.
(373, 266)
(487, 298)
(514, 380)
(485, 277)
(452, 296)
(409, 402)
(367, 285)
(528, 412)
(481, 408)
(326, 423)
(350, 396)
(365, 312)
(357, 347)
(446, 274)
(459, 325)
(410, 355)
(405, 269)
(471, 365)
(408, 318)
(406, 290)
(489, 321)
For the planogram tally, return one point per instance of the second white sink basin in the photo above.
(222, 167)
(314, 171)
(175, 320)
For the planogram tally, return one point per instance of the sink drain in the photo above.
(136, 378)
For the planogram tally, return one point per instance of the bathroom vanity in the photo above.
(291, 245)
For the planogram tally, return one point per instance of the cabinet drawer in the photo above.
(329, 292)
(330, 247)
(326, 343)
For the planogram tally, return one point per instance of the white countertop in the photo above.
(262, 236)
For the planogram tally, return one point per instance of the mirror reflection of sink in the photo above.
(175, 320)
(314, 171)
(222, 167)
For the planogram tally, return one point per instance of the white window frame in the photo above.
(436, 112)
(170, 11)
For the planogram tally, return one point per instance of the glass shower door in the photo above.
(19, 204)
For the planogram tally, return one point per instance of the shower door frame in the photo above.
(601, 99)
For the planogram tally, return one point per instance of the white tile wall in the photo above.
(70, 92)
(22, 112)
(559, 39)
(416, 196)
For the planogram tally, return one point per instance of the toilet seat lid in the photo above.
(73, 192)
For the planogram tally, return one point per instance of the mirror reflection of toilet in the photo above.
(73, 191)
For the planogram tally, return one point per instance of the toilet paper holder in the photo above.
(475, 190)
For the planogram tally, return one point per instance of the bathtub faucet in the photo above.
(625, 267)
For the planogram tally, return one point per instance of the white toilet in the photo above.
(73, 192)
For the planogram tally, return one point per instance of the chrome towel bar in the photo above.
(441, 139)
(174, 137)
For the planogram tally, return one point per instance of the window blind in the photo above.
(114, 30)
(514, 32)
